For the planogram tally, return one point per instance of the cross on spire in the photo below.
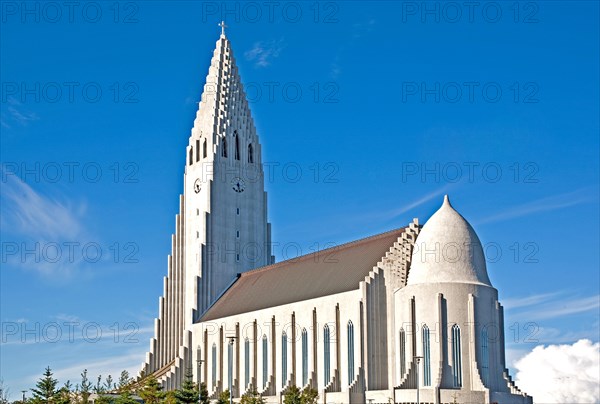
(223, 26)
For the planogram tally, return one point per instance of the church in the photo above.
(406, 316)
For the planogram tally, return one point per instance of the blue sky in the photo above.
(380, 106)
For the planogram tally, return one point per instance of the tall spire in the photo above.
(223, 106)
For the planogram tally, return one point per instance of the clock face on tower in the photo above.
(197, 186)
(238, 185)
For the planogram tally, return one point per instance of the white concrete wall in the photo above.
(349, 306)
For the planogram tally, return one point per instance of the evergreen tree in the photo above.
(309, 396)
(292, 395)
(45, 393)
(63, 396)
(170, 398)
(152, 392)
(203, 394)
(125, 398)
(223, 397)
(99, 388)
(86, 387)
(124, 381)
(188, 393)
(108, 383)
(252, 397)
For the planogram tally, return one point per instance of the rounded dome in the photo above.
(448, 250)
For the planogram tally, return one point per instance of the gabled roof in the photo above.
(327, 272)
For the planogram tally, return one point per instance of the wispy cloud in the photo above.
(555, 202)
(18, 113)
(361, 28)
(564, 308)
(45, 225)
(263, 52)
(551, 305)
(28, 212)
(420, 201)
(527, 301)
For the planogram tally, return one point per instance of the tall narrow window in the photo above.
(214, 365)
(265, 367)
(304, 357)
(237, 146)
(426, 357)
(250, 154)
(224, 147)
(326, 354)
(283, 359)
(230, 365)
(350, 352)
(204, 149)
(456, 358)
(485, 358)
(197, 150)
(247, 361)
(402, 340)
(191, 156)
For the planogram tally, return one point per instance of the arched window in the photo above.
(250, 153)
(191, 156)
(350, 352)
(426, 357)
(485, 358)
(326, 354)
(265, 358)
(247, 361)
(237, 146)
(304, 357)
(456, 358)
(402, 340)
(224, 148)
(214, 365)
(230, 364)
(283, 358)
(204, 150)
(197, 150)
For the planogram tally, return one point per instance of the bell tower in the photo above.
(225, 203)
(221, 229)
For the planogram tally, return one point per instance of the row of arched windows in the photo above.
(284, 357)
(426, 355)
(197, 148)
(237, 154)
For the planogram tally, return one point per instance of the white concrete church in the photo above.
(410, 312)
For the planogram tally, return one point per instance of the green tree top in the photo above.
(45, 391)
(188, 393)
(152, 392)
(252, 397)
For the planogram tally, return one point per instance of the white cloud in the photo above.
(551, 305)
(561, 373)
(40, 227)
(263, 53)
(30, 213)
(17, 113)
(554, 202)
(420, 201)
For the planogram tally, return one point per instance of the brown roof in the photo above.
(334, 270)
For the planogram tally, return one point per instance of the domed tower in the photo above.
(448, 320)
